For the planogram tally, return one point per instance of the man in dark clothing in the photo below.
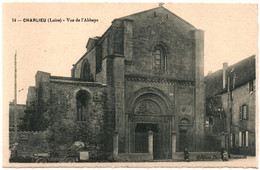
(186, 154)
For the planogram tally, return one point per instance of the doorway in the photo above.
(183, 139)
(141, 138)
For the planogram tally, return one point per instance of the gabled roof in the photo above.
(91, 42)
(244, 71)
(136, 15)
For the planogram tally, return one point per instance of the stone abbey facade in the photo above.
(145, 73)
(152, 65)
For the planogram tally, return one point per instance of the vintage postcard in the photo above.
(130, 84)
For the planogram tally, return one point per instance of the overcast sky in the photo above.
(230, 35)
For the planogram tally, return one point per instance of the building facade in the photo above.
(152, 64)
(145, 73)
(231, 107)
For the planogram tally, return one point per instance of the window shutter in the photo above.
(240, 139)
(240, 112)
(246, 138)
(247, 112)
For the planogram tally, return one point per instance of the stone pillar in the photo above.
(115, 143)
(199, 90)
(119, 96)
(173, 144)
(150, 142)
(128, 39)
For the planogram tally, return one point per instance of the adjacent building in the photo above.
(20, 114)
(231, 107)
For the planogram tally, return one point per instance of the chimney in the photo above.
(225, 66)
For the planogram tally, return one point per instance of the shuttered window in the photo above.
(232, 140)
(251, 86)
(246, 140)
(240, 139)
(243, 138)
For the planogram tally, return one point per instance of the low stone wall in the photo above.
(133, 157)
(29, 143)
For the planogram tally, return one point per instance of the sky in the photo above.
(231, 35)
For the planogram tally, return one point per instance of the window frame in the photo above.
(161, 67)
(232, 140)
(245, 139)
(82, 105)
(244, 112)
(251, 86)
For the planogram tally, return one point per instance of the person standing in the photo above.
(186, 155)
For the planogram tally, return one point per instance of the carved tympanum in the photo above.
(148, 107)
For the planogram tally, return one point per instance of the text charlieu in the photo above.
(59, 20)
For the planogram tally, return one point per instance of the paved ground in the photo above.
(250, 161)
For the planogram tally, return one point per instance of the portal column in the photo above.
(115, 143)
(150, 142)
(173, 144)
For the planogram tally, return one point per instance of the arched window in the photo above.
(86, 72)
(82, 99)
(159, 59)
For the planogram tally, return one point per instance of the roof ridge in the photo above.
(178, 17)
(131, 15)
(138, 13)
(248, 58)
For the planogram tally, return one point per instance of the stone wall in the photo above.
(63, 95)
(139, 38)
(30, 143)
(185, 110)
(59, 99)
(146, 31)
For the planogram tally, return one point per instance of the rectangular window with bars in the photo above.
(243, 112)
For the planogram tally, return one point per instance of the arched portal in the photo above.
(150, 113)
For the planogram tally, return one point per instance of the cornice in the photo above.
(139, 78)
